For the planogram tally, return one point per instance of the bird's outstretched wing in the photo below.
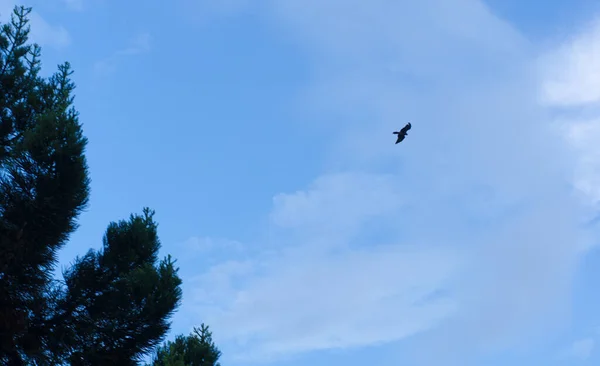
(402, 133)
(405, 128)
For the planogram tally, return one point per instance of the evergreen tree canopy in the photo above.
(197, 349)
(117, 299)
(114, 304)
(44, 185)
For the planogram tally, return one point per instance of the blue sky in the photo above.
(260, 132)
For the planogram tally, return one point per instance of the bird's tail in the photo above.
(395, 132)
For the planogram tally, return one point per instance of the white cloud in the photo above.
(361, 196)
(571, 82)
(336, 285)
(353, 298)
(42, 32)
(466, 230)
(584, 136)
(200, 11)
(583, 348)
(45, 34)
(572, 77)
(76, 5)
(139, 44)
(208, 244)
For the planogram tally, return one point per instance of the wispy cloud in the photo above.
(45, 34)
(337, 287)
(205, 245)
(571, 75)
(467, 231)
(572, 83)
(138, 45)
(76, 5)
(42, 32)
(582, 348)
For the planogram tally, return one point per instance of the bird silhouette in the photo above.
(402, 133)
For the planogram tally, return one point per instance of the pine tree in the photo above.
(114, 304)
(118, 300)
(197, 349)
(44, 185)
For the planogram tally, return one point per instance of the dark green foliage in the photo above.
(44, 185)
(114, 305)
(197, 349)
(119, 299)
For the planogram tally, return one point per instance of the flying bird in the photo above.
(403, 132)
